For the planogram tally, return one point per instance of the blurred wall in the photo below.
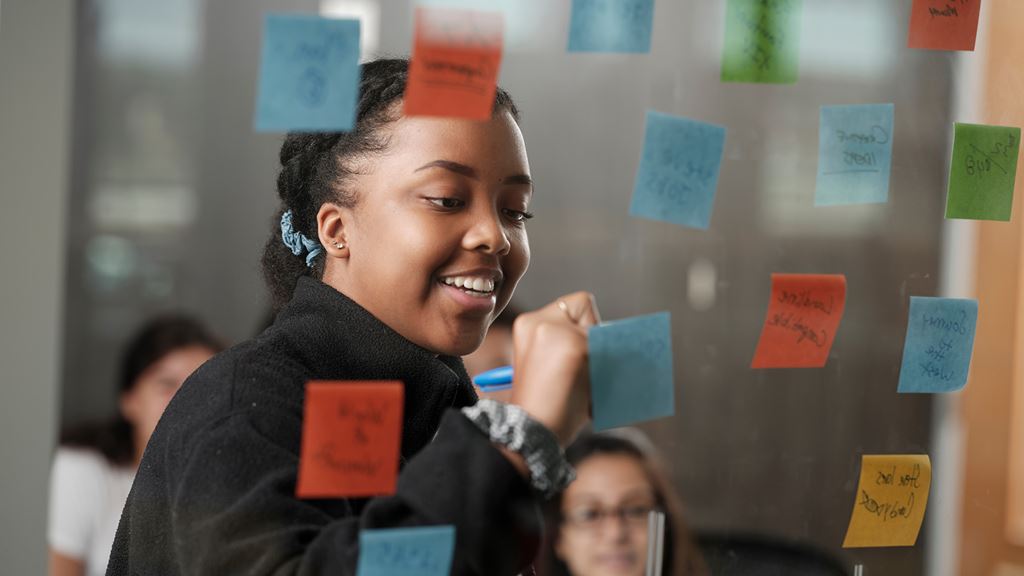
(35, 95)
(998, 365)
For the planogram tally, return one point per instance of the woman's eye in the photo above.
(585, 515)
(636, 513)
(518, 215)
(446, 203)
(168, 384)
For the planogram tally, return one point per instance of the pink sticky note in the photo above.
(455, 61)
(944, 24)
(802, 320)
(351, 438)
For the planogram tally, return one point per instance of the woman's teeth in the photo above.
(468, 283)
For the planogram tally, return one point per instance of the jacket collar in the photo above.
(337, 339)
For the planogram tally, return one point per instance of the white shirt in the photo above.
(87, 494)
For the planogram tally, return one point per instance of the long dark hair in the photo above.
(681, 557)
(114, 439)
(316, 166)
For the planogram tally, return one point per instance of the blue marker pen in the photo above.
(494, 380)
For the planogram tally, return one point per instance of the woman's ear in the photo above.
(330, 227)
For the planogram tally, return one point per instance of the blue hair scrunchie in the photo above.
(297, 241)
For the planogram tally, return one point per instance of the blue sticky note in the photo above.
(940, 340)
(678, 172)
(611, 26)
(631, 370)
(309, 74)
(425, 551)
(854, 154)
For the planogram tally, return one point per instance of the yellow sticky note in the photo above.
(891, 499)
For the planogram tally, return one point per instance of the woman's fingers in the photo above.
(576, 309)
(581, 308)
(551, 362)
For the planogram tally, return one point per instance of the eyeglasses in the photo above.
(634, 517)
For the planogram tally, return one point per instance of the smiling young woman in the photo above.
(395, 247)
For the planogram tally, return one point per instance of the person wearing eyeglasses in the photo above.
(599, 523)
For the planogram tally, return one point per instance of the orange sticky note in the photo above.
(802, 320)
(351, 437)
(892, 496)
(454, 67)
(944, 24)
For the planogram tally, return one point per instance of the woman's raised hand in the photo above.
(552, 382)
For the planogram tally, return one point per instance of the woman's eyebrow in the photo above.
(518, 179)
(470, 172)
(462, 169)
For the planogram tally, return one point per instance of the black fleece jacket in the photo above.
(215, 492)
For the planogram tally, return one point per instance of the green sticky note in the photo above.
(982, 172)
(762, 41)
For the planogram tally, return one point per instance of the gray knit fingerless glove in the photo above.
(510, 426)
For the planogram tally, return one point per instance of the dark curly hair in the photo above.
(315, 168)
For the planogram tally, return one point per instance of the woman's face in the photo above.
(145, 402)
(604, 532)
(436, 242)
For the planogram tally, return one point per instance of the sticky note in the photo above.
(611, 26)
(309, 74)
(631, 370)
(802, 320)
(425, 551)
(854, 154)
(762, 41)
(455, 62)
(939, 344)
(982, 172)
(891, 499)
(944, 24)
(351, 438)
(678, 172)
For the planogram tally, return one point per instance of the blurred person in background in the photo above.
(96, 463)
(598, 525)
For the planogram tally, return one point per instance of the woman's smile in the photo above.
(474, 290)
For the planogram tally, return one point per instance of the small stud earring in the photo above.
(339, 245)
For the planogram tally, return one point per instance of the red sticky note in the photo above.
(351, 437)
(454, 67)
(802, 320)
(944, 24)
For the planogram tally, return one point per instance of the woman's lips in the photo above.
(468, 299)
(618, 561)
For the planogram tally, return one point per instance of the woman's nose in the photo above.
(487, 233)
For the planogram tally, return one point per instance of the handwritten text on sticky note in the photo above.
(309, 74)
(891, 499)
(678, 172)
(854, 154)
(455, 62)
(803, 317)
(425, 551)
(351, 438)
(983, 172)
(944, 24)
(611, 26)
(939, 344)
(631, 370)
(762, 41)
